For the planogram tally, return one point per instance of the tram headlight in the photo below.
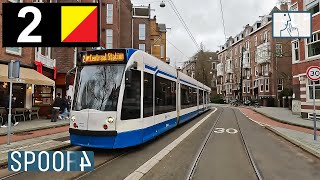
(73, 118)
(110, 120)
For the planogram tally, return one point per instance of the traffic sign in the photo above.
(313, 73)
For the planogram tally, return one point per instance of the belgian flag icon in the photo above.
(79, 24)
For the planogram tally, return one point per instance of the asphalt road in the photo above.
(223, 158)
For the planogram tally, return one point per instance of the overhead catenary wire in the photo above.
(224, 27)
(183, 23)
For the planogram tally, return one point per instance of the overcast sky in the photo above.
(204, 20)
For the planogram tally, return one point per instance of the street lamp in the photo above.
(162, 4)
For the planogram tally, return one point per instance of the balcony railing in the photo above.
(230, 70)
(263, 54)
(45, 60)
(220, 69)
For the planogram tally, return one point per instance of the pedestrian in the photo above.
(56, 108)
(63, 108)
(6, 118)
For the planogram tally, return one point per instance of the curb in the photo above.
(284, 122)
(5, 161)
(295, 142)
(35, 129)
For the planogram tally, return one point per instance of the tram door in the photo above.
(178, 102)
(148, 106)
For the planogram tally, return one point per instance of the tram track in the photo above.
(249, 156)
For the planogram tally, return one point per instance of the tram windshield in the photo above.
(97, 87)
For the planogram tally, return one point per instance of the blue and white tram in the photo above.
(125, 97)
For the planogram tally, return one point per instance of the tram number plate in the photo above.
(223, 130)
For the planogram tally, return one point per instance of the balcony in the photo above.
(229, 81)
(45, 60)
(220, 68)
(230, 70)
(263, 54)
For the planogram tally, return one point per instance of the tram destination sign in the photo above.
(104, 56)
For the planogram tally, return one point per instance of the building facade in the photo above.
(260, 61)
(306, 53)
(158, 39)
(37, 73)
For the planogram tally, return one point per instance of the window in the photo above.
(162, 51)
(310, 89)
(266, 85)
(244, 88)
(261, 85)
(165, 95)
(279, 50)
(142, 47)
(248, 45)
(265, 37)
(248, 87)
(255, 40)
(148, 95)
(109, 39)
(313, 45)
(236, 63)
(313, 7)
(256, 72)
(109, 13)
(235, 50)
(200, 97)
(213, 65)
(14, 50)
(142, 32)
(280, 84)
(189, 96)
(132, 96)
(295, 54)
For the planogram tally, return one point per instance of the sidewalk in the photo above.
(44, 143)
(285, 116)
(32, 125)
(296, 134)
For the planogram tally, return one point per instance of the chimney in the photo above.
(284, 7)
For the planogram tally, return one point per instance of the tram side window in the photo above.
(148, 95)
(132, 97)
(188, 96)
(200, 97)
(165, 95)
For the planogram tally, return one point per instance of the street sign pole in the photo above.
(9, 116)
(13, 72)
(313, 73)
(10, 101)
(314, 112)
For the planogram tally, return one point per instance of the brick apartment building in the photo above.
(203, 65)
(141, 28)
(266, 68)
(148, 35)
(305, 53)
(37, 73)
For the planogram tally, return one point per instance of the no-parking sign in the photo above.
(313, 73)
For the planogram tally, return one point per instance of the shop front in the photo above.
(33, 89)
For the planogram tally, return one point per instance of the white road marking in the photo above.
(142, 170)
(261, 124)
